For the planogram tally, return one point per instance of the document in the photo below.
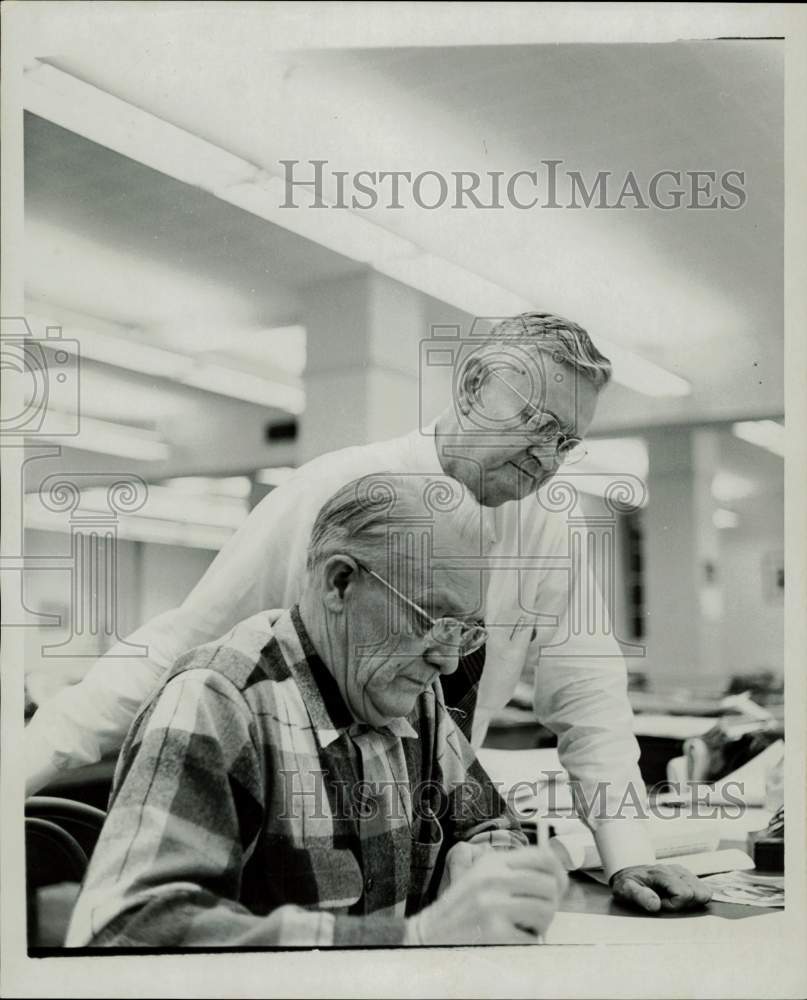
(748, 888)
(671, 838)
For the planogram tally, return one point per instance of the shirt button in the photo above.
(369, 882)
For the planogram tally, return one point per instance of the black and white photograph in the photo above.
(403, 565)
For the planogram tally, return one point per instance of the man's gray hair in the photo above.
(563, 339)
(359, 518)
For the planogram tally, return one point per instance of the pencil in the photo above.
(541, 840)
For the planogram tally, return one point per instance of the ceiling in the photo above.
(699, 292)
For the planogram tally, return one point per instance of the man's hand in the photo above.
(660, 887)
(505, 897)
(459, 860)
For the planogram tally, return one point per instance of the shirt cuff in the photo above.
(622, 843)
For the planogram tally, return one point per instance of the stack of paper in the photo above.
(749, 888)
(672, 839)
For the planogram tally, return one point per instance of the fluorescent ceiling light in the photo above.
(170, 515)
(275, 476)
(97, 115)
(104, 437)
(167, 504)
(283, 349)
(135, 356)
(728, 487)
(768, 434)
(722, 518)
(125, 399)
(227, 486)
(134, 529)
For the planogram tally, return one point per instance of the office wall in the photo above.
(60, 649)
(753, 621)
(172, 572)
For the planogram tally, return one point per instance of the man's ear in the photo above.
(339, 577)
(470, 384)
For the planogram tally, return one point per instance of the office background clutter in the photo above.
(219, 327)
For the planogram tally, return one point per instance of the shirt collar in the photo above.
(324, 703)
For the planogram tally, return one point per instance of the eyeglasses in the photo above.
(447, 631)
(545, 429)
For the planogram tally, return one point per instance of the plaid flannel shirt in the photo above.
(250, 809)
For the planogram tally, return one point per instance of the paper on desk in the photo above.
(748, 888)
(707, 863)
(519, 769)
(670, 837)
(674, 727)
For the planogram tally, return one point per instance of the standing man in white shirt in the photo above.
(524, 398)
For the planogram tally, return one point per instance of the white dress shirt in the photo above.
(530, 596)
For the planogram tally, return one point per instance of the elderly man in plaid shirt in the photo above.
(300, 783)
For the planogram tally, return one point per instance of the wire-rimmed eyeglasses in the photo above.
(447, 631)
(545, 429)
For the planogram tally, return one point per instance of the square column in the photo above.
(361, 380)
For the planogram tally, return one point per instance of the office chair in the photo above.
(60, 836)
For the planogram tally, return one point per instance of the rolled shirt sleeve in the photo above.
(550, 617)
(581, 695)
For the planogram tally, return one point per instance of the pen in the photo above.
(541, 840)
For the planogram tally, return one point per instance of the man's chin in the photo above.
(397, 705)
(503, 487)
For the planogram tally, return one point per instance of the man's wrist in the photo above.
(624, 843)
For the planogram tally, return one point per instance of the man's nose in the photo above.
(442, 656)
(547, 455)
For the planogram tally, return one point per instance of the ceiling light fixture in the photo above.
(139, 135)
(275, 476)
(722, 518)
(104, 437)
(767, 434)
(727, 487)
(133, 355)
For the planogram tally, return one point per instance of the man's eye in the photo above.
(419, 624)
(542, 426)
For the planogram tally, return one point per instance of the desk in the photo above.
(587, 896)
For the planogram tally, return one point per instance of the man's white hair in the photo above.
(360, 517)
(563, 339)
